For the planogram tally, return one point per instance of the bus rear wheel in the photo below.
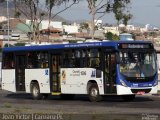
(35, 91)
(128, 98)
(94, 95)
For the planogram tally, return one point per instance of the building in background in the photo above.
(71, 28)
(2, 19)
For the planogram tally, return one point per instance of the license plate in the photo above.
(140, 93)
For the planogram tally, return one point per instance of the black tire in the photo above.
(128, 98)
(35, 91)
(67, 96)
(94, 93)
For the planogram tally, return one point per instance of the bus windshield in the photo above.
(137, 64)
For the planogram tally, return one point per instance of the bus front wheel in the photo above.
(128, 98)
(35, 91)
(94, 95)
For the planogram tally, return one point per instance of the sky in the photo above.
(143, 11)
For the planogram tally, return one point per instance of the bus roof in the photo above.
(72, 45)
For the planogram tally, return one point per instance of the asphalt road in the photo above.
(143, 107)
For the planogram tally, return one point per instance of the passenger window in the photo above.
(83, 59)
(8, 61)
(68, 59)
(32, 60)
(37, 60)
(77, 58)
(94, 58)
(43, 59)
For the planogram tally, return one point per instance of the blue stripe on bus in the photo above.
(63, 46)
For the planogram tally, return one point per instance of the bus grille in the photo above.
(140, 90)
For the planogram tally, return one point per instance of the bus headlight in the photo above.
(123, 83)
(156, 83)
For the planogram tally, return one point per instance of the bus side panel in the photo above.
(8, 80)
(74, 80)
(40, 75)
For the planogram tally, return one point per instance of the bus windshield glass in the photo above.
(137, 64)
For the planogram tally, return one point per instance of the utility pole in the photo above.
(8, 22)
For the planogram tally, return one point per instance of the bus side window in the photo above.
(8, 65)
(43, 60)
(32, 60)
(94, 61)
(8, 61)
(71, 58)
(29, 61)
(83, 58)
(77, 58)
(88, 55)
(37, 60)
(65, 60)
(68, 61)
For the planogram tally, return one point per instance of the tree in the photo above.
(95, 6)
(111, 36)
(19, 44)
(85, 26)
(104, 6)
(50, 4)
(92, 8)
(8, 45)
(126, 18)
(115, 37)
(120, 11)
(30, 9)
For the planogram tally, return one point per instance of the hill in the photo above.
(3, 9)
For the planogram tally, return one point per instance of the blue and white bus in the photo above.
(124, 68)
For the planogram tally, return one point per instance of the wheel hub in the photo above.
(35, 91)
(94, 92)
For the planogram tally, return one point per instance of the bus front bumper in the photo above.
(121, 90)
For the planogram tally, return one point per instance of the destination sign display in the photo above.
(135, 46)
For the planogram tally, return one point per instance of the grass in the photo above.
(17, 111)
(7, 105)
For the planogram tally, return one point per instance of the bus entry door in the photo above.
(110, 73)
(20, 72)
(55, 73)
